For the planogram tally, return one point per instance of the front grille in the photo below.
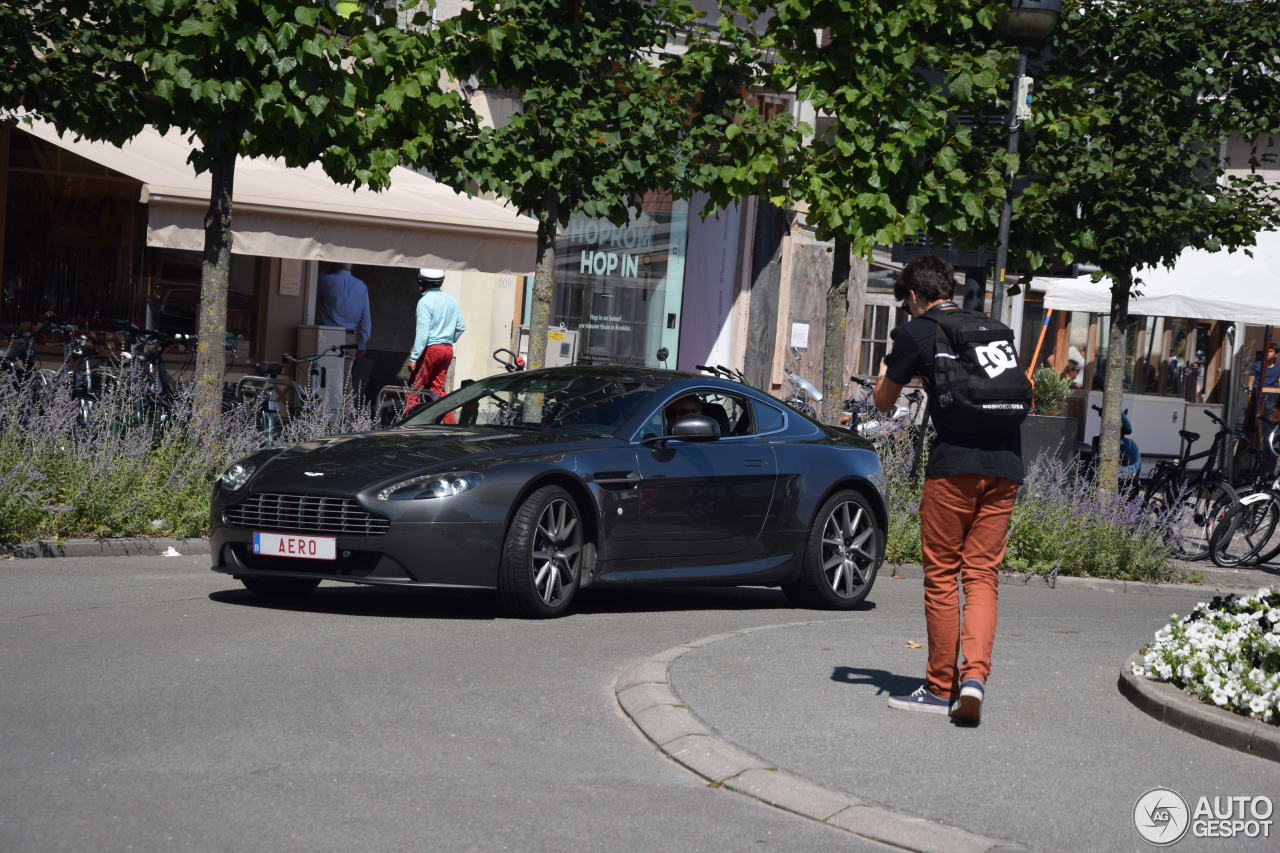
(306, 514)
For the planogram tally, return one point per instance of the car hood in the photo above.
(353, 462)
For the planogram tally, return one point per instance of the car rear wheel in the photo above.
(541, 562)
(280, 589)
(842, 556)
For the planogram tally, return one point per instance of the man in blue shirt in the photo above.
(1270, 376)
(439, 324)
(343, 301)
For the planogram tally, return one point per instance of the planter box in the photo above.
(1049, 434)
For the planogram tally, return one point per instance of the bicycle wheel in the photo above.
(1271, 439)
(1245, 530)
(1192, 515)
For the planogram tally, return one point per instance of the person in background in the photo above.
(1073, 372)
(439, 325)
(1269, 379)
(1272, 379)
(343, 301)
(681, 407)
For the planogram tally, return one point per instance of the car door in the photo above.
(705, 500)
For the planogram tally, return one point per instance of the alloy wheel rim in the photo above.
(847, 548)
(557, 550)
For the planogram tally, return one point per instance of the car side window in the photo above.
(731, 412)
(768, 419)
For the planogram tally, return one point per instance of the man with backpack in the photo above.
(978, 398)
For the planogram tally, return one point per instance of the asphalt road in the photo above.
(147, 704)
(151, 705)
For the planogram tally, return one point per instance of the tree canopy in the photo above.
(609, 109)
(1125, 157)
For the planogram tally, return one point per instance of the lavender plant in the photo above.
(128, 464)
(1058, 524)
(1225, 652)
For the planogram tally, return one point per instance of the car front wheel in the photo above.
(541, 561)
(842, 555)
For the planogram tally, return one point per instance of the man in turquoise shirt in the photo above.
(439, 325)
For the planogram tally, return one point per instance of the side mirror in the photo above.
(695, 428)
(689, 428)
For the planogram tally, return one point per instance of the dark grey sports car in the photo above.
(537, 484)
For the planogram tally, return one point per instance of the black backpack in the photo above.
(978, 386)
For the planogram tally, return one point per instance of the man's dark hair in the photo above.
(929, 276)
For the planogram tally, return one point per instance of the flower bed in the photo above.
(1226, 653)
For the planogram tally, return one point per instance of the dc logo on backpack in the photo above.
(978, 385)
(996, 358)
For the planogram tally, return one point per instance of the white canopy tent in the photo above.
(301, 214)
(1203, 285)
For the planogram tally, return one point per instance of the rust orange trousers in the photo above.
(964, 521)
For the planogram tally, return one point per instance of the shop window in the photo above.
(174, 302)
(1164, 357)
(877, 322)
(73, 237)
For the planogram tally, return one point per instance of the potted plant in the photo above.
(1048, 431)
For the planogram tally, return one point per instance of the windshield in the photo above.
(584, 403)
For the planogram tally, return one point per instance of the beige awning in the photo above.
(300, 213)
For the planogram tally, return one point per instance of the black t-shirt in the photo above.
(953, 451)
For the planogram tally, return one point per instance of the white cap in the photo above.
(1073, 354)
(432, 274)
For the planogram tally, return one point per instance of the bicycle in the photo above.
(1244, 534)
(263, 390)
(79, 381)
(1191, 503)
(870, 423)
(144, 374)
(719, 370)
(803, 393)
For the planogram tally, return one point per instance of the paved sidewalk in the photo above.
(796, 715)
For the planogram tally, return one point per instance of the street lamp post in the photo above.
(1027, 23)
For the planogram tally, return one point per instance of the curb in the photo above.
(1213, 583)
(129, 547)
(1173, 707)
(643, 691)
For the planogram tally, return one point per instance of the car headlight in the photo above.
(234, 478)
(429, 486)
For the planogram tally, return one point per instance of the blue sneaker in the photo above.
(968, 705)
(921, 700)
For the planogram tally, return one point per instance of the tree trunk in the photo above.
(837, 321)
(543, 286)
(215, 273)
(1108, 462)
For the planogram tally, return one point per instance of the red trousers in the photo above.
(964, 522)
(429, 374)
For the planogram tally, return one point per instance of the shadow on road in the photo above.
(886, 683)
(413, 603)
(407, 603)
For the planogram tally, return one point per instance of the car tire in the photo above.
(280, 589)
(842, 555)
(541, 563)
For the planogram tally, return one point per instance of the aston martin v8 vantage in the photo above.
(538, 484)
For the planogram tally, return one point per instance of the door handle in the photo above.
(754, 463)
